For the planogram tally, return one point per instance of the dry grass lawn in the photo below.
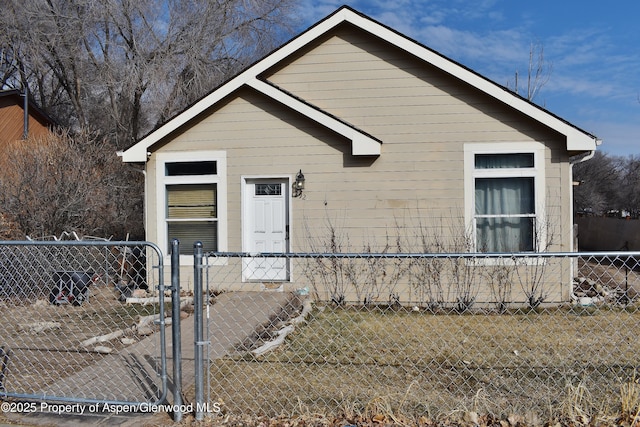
(563, 362)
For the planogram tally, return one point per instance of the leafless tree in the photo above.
(608, 184)
(599, 184)
(123, 66)
(629, 170)
(538, 74)
(118, 68)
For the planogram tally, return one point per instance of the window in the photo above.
(192, 215)
(268, 189)
(190, 168)
(506, 189)
(193, 193)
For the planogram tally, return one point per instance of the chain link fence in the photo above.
(80, 321)
(419, 335)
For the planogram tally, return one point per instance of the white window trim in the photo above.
(220, 178)
(537, 172)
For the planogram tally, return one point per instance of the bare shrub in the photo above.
(62, 183)
(499, 277)
(328, 273)
(531, 269)
(439, 281)
(426, 274)
(380, 275)
(349, 277)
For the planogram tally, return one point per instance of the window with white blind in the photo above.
(192, 216)
(194, 199)
(504, 196)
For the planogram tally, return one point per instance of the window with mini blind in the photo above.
(192, 215)
(193, 198)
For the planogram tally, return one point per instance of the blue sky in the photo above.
(592, 47)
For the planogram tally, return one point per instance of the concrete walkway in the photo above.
(132, 374)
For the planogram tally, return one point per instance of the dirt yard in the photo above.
(48, 342)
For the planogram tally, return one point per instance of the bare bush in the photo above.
(353, 278)
(499, 276)
(330, 273)
(62, 183)
(443, 279)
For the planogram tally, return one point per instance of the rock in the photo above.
(139, 293)
(585, 301)
(37, 327)
(102, 338)
(514, 419)
(471, 417)
(145, 330)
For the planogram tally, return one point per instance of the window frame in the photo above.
(537, 172)
(163, 180)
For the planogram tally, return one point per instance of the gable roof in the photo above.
(362, 143)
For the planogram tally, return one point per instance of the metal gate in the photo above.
(82, 322)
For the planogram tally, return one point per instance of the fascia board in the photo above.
(361, 143)
(138, 152)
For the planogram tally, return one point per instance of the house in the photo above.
(394, 142)
(19, 119)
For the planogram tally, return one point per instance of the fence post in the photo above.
(198, 353)
(175, 329)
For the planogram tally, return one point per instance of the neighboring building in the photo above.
(394, 140)
(13, 125)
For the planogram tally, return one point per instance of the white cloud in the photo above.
(579, 85)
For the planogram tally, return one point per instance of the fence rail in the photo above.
(69, 330)
(425, 334)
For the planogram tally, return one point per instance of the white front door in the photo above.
(266, 229)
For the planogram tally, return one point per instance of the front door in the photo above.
(266, 229)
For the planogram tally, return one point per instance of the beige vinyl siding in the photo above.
(392, 95)
(262, 138)
(422, 117)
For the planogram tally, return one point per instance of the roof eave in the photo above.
(362, 144)
(576, 139)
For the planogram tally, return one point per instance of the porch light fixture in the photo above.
(298, 186)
